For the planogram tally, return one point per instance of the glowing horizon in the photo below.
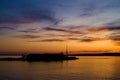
(42, 26)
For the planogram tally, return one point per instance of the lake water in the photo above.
(85, 68)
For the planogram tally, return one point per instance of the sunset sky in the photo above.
(51, 25)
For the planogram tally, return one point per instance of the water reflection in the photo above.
(85, 68)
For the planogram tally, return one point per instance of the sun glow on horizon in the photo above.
(49, 25)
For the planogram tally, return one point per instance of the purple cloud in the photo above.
(30, 30)
(61, 30)
(8, 28)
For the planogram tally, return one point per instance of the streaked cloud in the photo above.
(43, 21)
(40, 15)
(25, 12)
(61, 30)
(73, 39)
(49, 40)
(8, 28)
(16, 21)
(30, 30)
(115, 36)
(27, 36)
(90, 39)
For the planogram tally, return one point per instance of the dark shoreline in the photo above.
(40, 57)
(11, 59)
(102, 54)
(53, 57)
(21, 59)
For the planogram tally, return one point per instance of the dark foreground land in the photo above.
(48, 57)
(41, 57)
(53, 57)
(11, 59)
(102, 54)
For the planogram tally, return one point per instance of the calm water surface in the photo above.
(85, 68)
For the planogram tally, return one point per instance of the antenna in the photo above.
(66, 50)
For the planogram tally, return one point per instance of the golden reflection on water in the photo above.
(85, 68)
(103, 67)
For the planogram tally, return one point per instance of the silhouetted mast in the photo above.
(66, 50)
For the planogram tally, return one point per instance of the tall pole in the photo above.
(66, 50)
